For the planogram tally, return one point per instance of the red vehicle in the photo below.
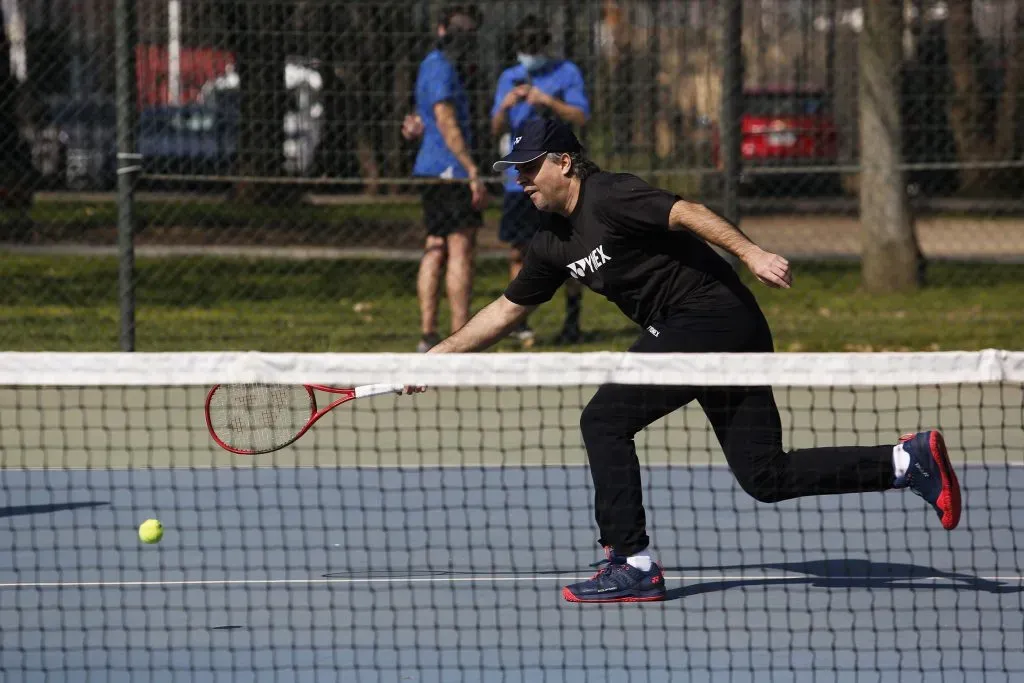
(786, 129)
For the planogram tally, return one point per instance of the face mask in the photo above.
(532, 62)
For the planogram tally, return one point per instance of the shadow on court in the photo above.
(843, 574)
(839, 574)
(16, 510)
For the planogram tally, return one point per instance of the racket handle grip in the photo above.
(378, 389)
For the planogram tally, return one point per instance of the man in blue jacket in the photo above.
(539, 86)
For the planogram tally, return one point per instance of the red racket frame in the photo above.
(347, 394)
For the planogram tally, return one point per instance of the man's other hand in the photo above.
(412, 127)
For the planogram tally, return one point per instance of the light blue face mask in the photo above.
(532, 62)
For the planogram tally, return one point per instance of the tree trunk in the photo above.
(965, 107)
(889, 250)
(1010, 109)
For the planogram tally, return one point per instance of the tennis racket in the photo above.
(250, 419)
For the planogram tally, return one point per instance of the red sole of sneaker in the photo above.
(949, 499)
(572, 598)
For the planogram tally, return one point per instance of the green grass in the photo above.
(67, 303)
(367, 224)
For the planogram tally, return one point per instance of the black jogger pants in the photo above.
(745, 421)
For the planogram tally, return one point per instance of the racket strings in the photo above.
(259, 417)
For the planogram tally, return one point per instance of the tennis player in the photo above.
(646, 250)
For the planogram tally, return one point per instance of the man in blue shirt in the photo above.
(451, 207)
(537, 87)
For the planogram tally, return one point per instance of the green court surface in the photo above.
(88, 427)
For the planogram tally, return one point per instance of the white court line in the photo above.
(526, 578)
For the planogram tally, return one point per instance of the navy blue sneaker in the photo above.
(931, 476)
(618, 581)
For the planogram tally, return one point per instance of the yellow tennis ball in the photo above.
(151, 531)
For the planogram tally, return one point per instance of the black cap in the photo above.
(536, 138)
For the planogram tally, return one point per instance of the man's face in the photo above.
(462, 22)
(545, 182)
(532, 43)
(459, 23)
(460, 38)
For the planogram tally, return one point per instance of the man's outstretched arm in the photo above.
(485, 328)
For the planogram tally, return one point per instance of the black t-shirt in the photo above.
(618, 243)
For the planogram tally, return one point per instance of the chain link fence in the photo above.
(277, 205)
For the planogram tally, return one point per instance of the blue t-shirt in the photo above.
(560, 79)
(438, 81)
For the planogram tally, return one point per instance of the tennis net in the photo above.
(428, 537)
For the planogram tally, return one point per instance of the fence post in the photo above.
(129, 164)
(732, 110)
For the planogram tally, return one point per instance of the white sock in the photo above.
(900, 461)
(642, 560)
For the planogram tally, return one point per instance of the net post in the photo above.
(129, 164)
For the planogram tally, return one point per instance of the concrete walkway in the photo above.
(801, 237)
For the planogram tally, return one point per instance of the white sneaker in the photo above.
(427, 342)
(525, 336)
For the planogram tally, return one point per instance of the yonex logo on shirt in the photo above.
(595, 260)
(516, 142)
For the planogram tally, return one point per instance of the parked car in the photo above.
(202, 137)
(194, 139)
(76, 146)
(785, 129)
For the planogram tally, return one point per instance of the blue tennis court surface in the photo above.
(451, 574)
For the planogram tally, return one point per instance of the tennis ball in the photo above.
(151, 531)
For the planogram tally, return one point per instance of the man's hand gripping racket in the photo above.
(249, 419)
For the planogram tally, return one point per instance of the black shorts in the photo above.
(449, 207)
(520, 220)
